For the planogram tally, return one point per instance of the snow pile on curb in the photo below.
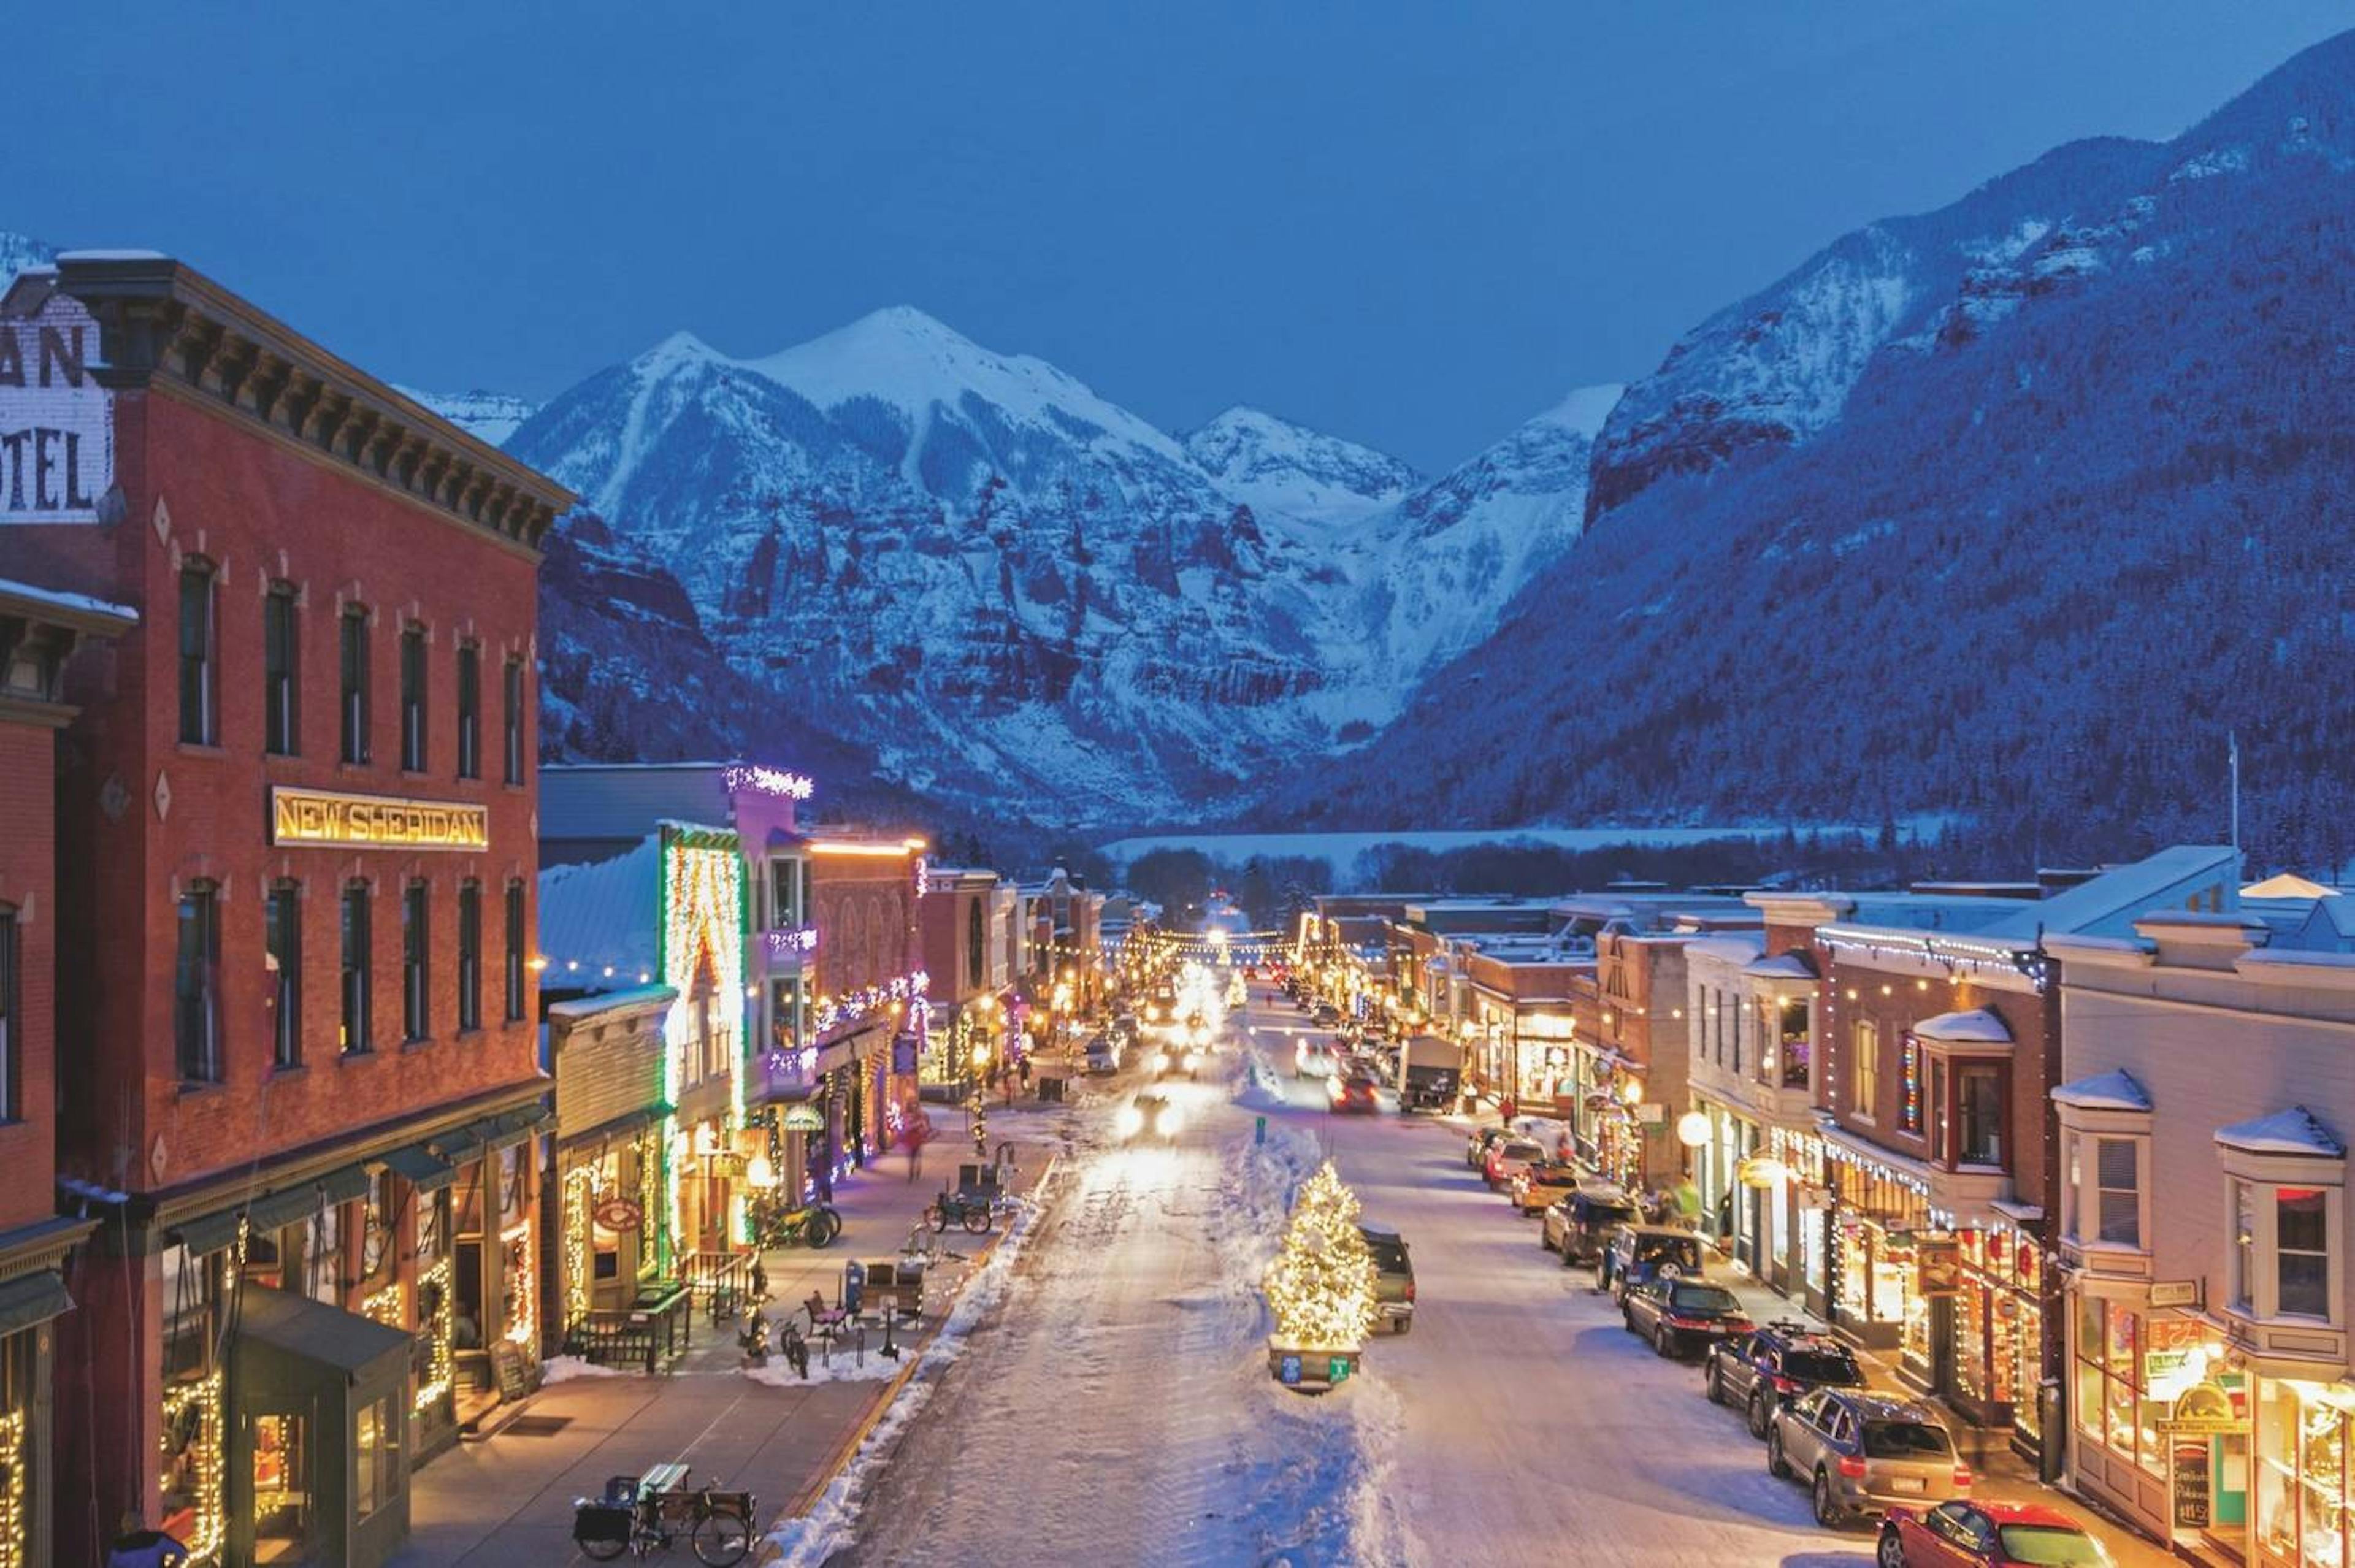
(1259, 1088)
(846, 1367)
(828, 1527)
(565, 1368)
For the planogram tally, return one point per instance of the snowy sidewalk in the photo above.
(510, 1498)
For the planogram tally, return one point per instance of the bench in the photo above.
(826, 1322)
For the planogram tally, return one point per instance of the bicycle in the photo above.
(640, 1516)
(814, 1225)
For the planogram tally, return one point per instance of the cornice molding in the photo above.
(162, 321)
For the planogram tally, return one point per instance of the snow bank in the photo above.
(564, 1369)
(828, 1528)
(846, 1367)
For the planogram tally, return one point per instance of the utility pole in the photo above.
(2232, 747)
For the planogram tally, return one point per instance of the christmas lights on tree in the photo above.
(1321, 1284)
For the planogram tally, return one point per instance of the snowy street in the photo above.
(1118, 1409)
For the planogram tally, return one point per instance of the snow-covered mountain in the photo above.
(1014, 589)
(491, 416)
(1274, 465)
(18, 251)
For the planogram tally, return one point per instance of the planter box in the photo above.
(1311, 1369)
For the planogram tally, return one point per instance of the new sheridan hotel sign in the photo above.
(375, 821)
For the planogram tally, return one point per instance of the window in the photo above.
(10, 1002)
(2116, 1349)
(2302, 1251)
(1728, 1014)
(281, 674)
(282, 920)
(470, 955)
(515, 987)
(785, 895)
(353, 713)
(1978, 1114)
(199, 705)
(354, 1039)
(413, 948)
(412, 699)
(977, 972)
(1865, 1064)
(511, 689)
(2244, 1247)
(470, 711)
(196, 987)
(1791, 1042)
(1909, 1072)
(376, 1450)
(2118, 1201)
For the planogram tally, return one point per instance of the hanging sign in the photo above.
(619, 1214)
(57, 423)
(802, 1117)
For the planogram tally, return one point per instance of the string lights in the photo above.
(13, 1545)
(1321, 1285)
(515, 1246)
(579, 1199)
(435, 1282)
(207, 1462)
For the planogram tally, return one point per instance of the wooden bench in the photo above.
(826, 1322)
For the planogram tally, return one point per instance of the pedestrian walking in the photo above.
(1026, 1075)
(915, 1137)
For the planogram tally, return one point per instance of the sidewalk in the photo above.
(509, 1499)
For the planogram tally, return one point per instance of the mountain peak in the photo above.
(1271, 463)
(1585, 410)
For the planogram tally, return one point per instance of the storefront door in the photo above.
(282, 1510)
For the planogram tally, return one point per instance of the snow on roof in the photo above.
(63, 601)
(1976, 1026)
(2113, 1090)
(1783, 966)
(2122, 893)
(612, 1001)
(1728, 949)
(601, 916)
(2294, 1131)
(2288, 885)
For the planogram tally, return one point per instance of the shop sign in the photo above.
(619, 1214)
(802, 1117)
(57, 423)
(2190, 1487)
(1938, 1264)
(2205, 1410)
(2175, 1293)
(311, 816)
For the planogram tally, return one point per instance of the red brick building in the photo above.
(295, 912)
(38, 633)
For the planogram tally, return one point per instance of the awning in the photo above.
(210, 1233)
(461, 1144)
(421, 1167)
(33, 1298)
(283, 1209)
(321, 1336)
(346, 1185)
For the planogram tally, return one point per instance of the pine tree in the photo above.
(1321, 1284)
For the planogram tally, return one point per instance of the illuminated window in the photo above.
(1864, 1065)
(376, 1454)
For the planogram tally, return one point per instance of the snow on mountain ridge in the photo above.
(488, 416)
(1274, 465)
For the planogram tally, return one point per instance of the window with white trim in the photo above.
(2284, 1260)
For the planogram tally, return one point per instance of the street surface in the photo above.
(1118, 1408)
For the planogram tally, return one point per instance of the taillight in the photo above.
(1962, 1475)
(1851, 1467)
(1409, 1290)
(1786, 1385)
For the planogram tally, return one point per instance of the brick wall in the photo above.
(28, 1148)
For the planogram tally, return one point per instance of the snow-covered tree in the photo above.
(1321, 1284)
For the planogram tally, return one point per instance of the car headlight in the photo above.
(1169, 1122)
(1132, 1121)
(1333, 1087)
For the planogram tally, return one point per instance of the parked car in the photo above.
(1579, 1223)
(1678, 1316)
(1985, 1535)
(1393, 1274)
(1103, 1054)
(1150, 1114)
(1639, 1252)
(1864, 1453)
(1781, 1360)
(1475, 1147)
(1537, 1186)
(1510, 1156)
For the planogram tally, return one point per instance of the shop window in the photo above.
(1864, 1066)
(282, 664)
(281, 922)
(2306, 1503)
(415, 939)
(412, 699)
(470, 955)
(1978, 1114)
(11, 1080)
(376, 1457)
(323, 1255)
(199, 702)
(352, 707)
(282, 1490)
(511, 690)
(470, 711)
(196, 987)
(356, 977)
(516, 998)
(192, 1297)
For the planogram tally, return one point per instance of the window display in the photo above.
(281, 1499)
(2303, 1498)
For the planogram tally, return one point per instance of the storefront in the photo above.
(317, 1472)
(2305, 1478)
(1871, 1287)
(612, 1220)
(29, 1305)
(1546, 1063)
(2162, 1426)
(1998, 1329)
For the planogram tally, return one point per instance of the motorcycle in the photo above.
(811, 1224)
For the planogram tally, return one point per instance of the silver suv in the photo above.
(1860, 1453)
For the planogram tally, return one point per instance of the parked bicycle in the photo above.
(812, 1225)
(640, 1515)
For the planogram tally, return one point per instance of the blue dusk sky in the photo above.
(1413, 225)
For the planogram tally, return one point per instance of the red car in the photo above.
(1350, 1092)
(1965, 1534)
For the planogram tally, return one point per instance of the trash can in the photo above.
(854, 1285)
(1050, 1089)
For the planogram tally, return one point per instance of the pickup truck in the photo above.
(1429, 1071)
(1394, 1275)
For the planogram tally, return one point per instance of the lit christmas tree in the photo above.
(1321, 1285)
